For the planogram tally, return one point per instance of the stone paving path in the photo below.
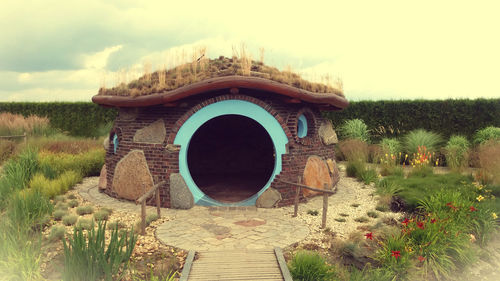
(212, 228)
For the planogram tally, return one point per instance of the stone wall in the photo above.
(162, 156)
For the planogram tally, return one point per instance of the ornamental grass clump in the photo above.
(310, 266)
(489, 162)
(390, 146)
(421, 138)
(56, 233)
(487, 134)
(354, 150)
(457, 150)
(355, 129)
(88, 257)
(69, 219)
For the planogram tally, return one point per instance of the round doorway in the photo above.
(230, 152)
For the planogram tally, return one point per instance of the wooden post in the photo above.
(143, 217)
(25, 138)
(297, 195)
(158, 202)
(325, 207)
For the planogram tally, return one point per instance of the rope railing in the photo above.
(142, 201)
(325, 191)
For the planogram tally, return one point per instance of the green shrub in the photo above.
(60, 185)
(368, 176)
(87, 258)
(390, 145)
(372, 214)
(59, 214)
(355, 168)
(101, 215)
(151, 218)
(355, 129)
(27, 207)
(354, 150)
(361, 219)
(69, 219)
(20, 252)
(422, 138)
(486, 134)
(394, 257)
(340, 220)
(456, 152)
(62, 206)
(56, 233)
(310, 266)
(116, 224)
(16, 174)
(84, 224)
(87, 164)
(59, 198)
(382, 208)
(73, 203)
(84, 210)
(312, 212)
(71, 196)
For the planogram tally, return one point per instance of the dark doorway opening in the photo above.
(230, 158)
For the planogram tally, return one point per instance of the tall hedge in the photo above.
(76, 118)
(447, 117)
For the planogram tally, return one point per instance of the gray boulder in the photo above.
(180, 195)
(268, 199)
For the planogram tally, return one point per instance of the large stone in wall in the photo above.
(103, 181)
(105, 143)
(128, 114)
(316, 174)
(153, 133)
(327, 133)
(132, 177)
(268, 199)
(180, 195)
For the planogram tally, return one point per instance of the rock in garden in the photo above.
(180, 195)
(268, 199)
(316, 174)
(153, 133)
(327, 133)
(103, 181)
(132, 177)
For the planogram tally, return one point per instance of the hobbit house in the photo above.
(218, 135)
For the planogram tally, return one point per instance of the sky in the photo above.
(66, 50)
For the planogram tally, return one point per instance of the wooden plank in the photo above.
(187, 266)
(236, 265)
(308, 187)
(282, 263)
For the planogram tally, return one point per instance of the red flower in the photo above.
(421, 259)
(433, 220)
(369, 235)
(472, 209)
(420, 224)
(396, 254)
(449, 204)
(405, 222)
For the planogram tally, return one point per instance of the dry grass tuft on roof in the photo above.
(202, 68)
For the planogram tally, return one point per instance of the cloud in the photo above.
(380, 49)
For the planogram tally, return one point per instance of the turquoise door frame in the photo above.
(227, 107)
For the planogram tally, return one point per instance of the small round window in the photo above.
(115, 143)
(302, 126)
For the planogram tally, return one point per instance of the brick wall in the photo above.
(162, 162)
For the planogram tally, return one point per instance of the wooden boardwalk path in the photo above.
(262, 265)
